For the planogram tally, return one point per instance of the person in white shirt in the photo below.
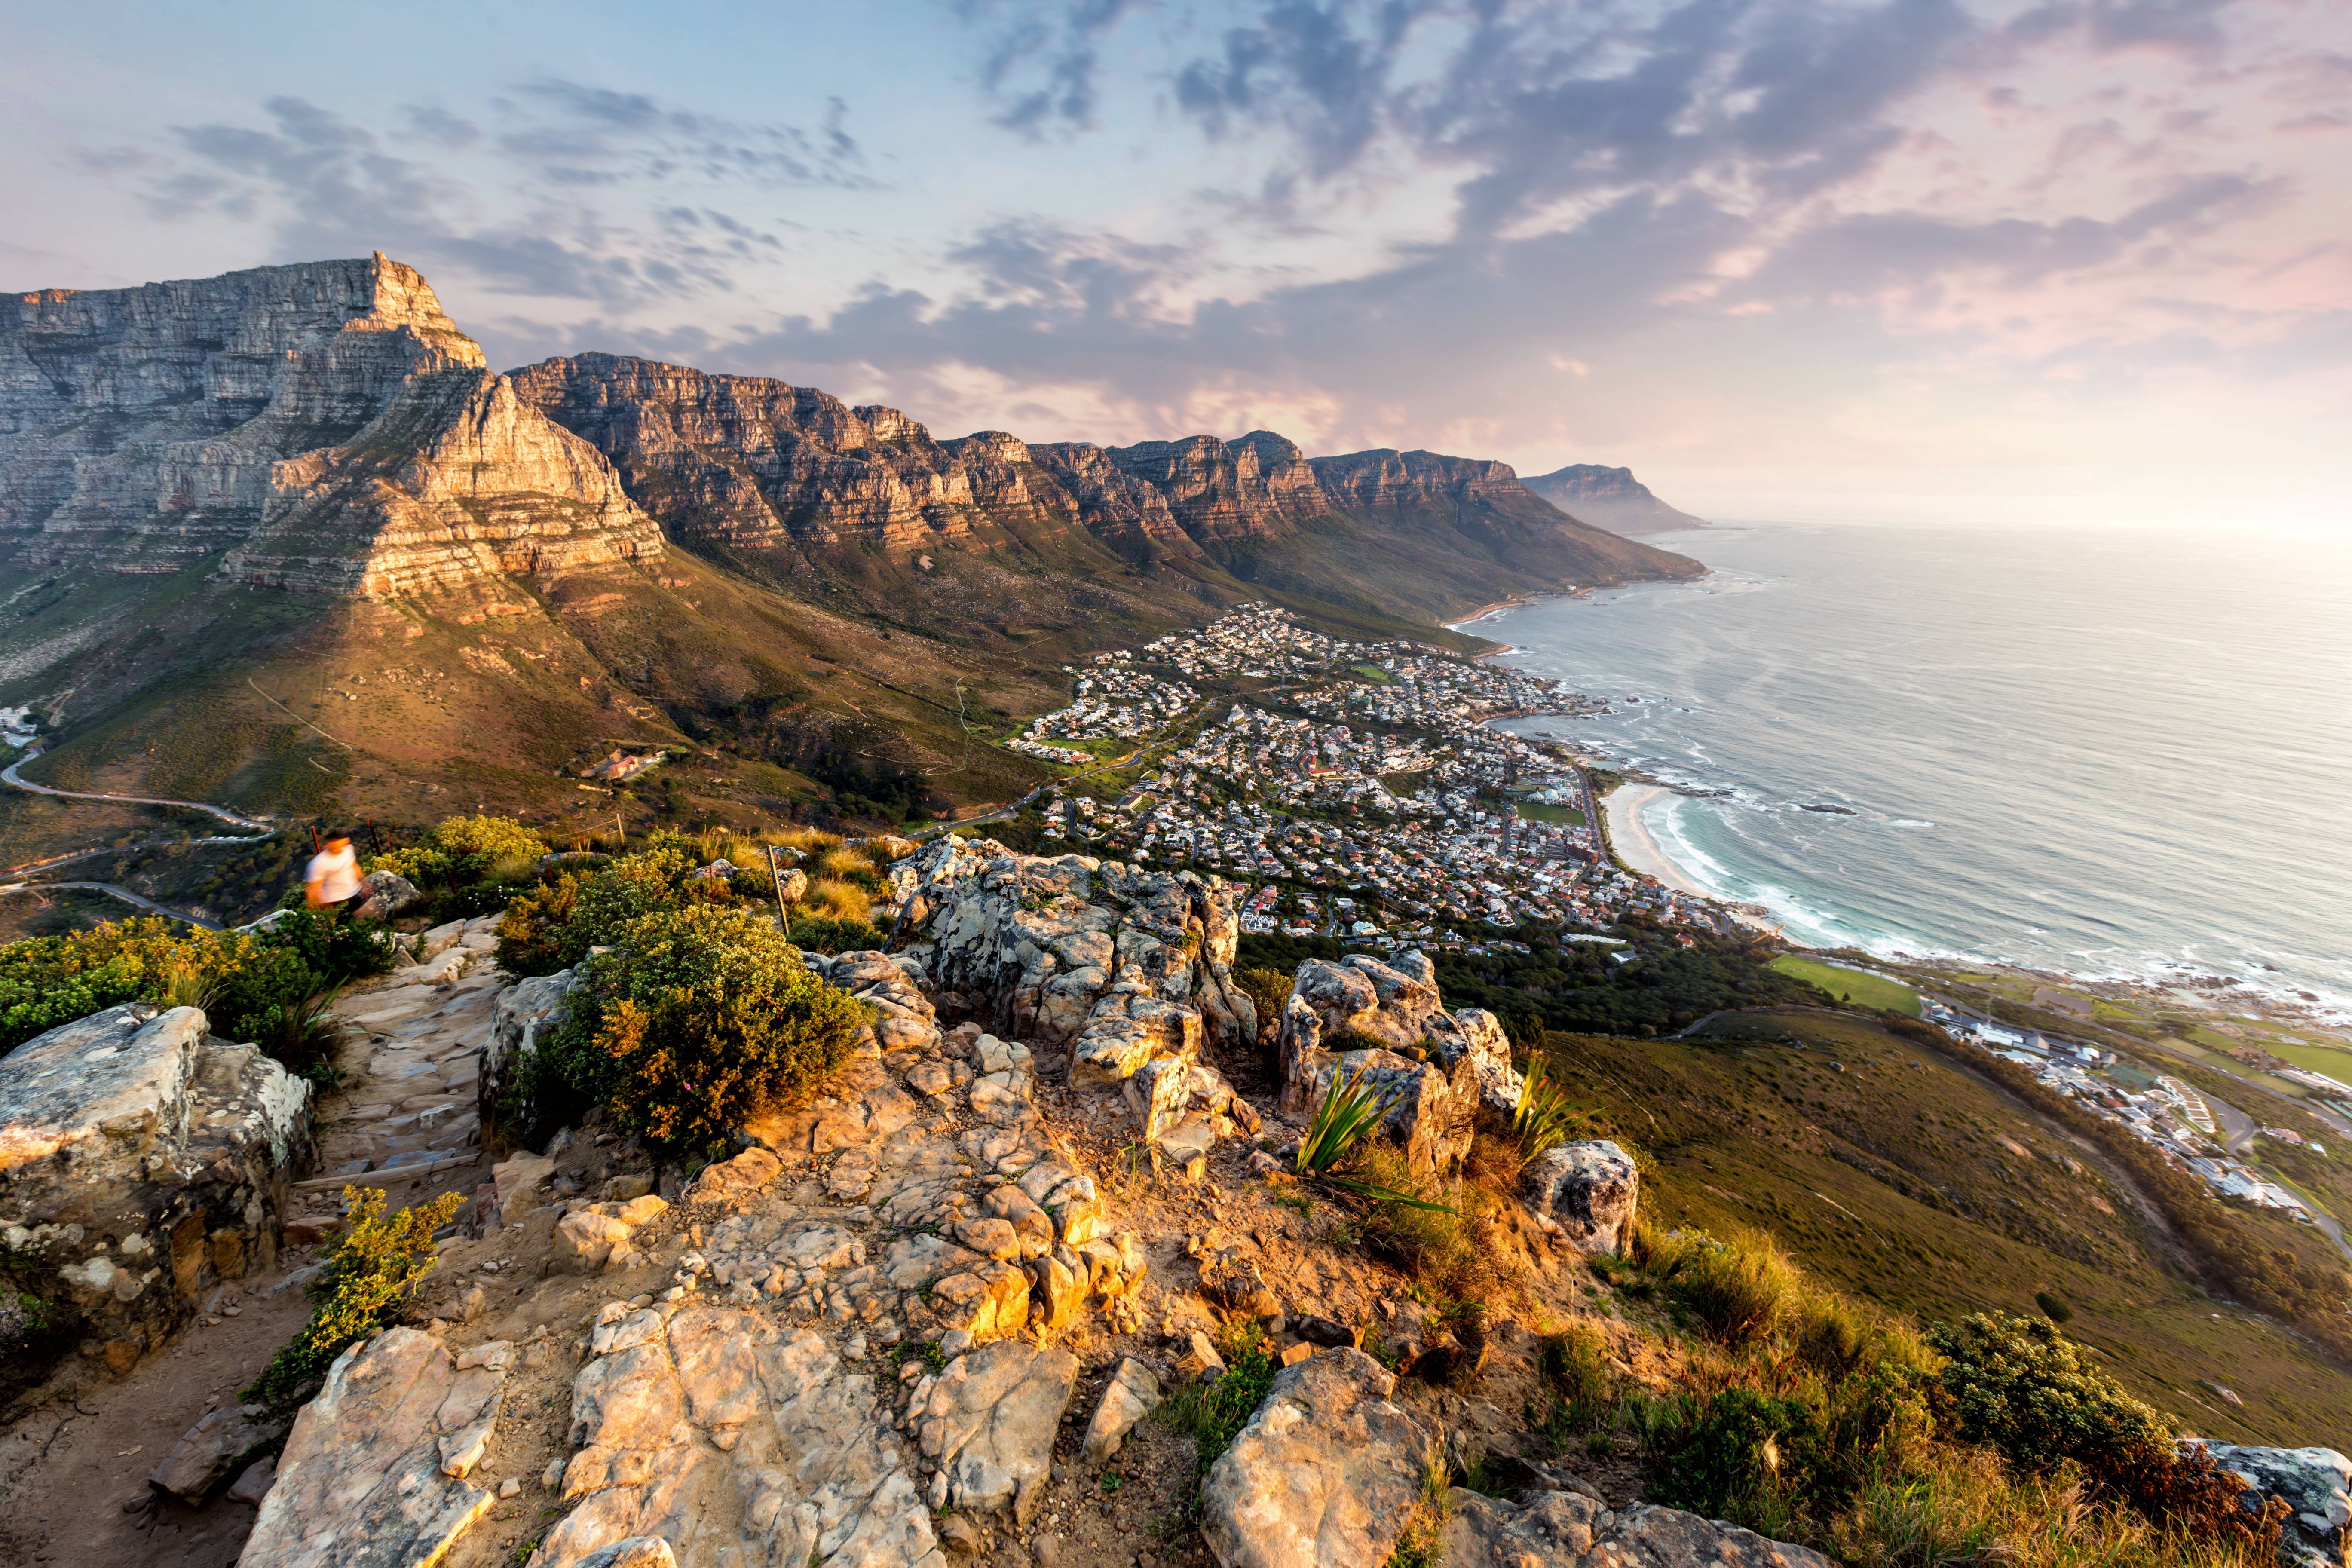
(333, 881)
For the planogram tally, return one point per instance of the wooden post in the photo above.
(776, 874)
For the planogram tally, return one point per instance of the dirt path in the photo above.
(74, 1468)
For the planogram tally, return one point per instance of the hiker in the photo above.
(333, 881)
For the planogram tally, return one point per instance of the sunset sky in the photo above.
(1922, 260)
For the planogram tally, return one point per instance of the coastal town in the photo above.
(2160, 1111)
(1363, 792)
(1359, 785)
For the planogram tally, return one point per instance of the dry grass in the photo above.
(834, 900)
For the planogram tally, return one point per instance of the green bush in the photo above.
(375, 1263)
(1213, 1414)
(249, 985)
(551, 926)
(698, 1019)
(1268, 990)
(2021, 1387)
(463, 851)
(820, 934)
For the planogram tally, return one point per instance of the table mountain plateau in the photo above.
(280, 536)
(1612, 498)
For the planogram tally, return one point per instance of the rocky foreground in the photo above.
(926, 1318)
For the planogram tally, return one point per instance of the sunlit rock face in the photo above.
(322, 426)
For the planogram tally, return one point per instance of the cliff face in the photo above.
(143, 429)
(1612, 498)
(754, 463)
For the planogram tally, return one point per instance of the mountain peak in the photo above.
(1611, 498)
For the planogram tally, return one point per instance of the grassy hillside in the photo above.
(1900, 1178)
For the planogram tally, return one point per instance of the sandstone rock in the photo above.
(636, 1552)
(1131, 1394)
(141, 1162)
(1354, 1017)
(253, 1483)
(590, 1237)
(864, 1106)
(366, 1473)
(732, 1438)
(392, 892)
(213, 1450)
(732, 1184)
(1565, 1529)
(527, 1011)
(989, 1424)
(1326, 1475)
(2317, 1484)
(521, 1184)
(987, 1301)
(1585, 1193)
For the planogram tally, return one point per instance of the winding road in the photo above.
(264, 830)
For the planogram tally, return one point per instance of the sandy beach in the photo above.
(1633, 841)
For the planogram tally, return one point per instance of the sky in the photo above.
(1891, 260)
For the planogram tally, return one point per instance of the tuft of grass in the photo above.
(1737, 1291)
(1421, 1544)
(1213, 1414)
(1574, 1366)
(1544, 1118)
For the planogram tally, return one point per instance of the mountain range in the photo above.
(281, 538)
(1612, 498)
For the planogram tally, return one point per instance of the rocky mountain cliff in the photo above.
(748, 462)
(322, 426)
(1612, 498)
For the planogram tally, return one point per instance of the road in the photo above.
(8, 775)
(125, 894)
(265, 830)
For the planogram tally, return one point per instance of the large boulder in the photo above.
(732, 1438)
(527, 1011)
(1385, 1022)
(1582, 1194)
(1568, 1530)
(375, 1469)
(1327, 1473)
(988, 1423)
(1043, 948)
(393, 894)
(141, 1162)
(2317, 1484)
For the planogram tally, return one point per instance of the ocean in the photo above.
(2114, 753)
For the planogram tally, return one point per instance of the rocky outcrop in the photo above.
(1327, 1473)
(1569, 1530)
(1124, 976)
(143, 1161)
(988, 1422)
(456, 480)
(1583, 1194)
(215, 1451)
(325, 423)
(733, 1438)
(1223, 493)
(1611, 498)
(1362, 1020)
(2314, 1483)
(374, 1470)
(526, 1015)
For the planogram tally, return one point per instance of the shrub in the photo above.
(699, 1018)
(1268, 990)
(832, 936)
(249, 984)
(463, 851)
(2023, 1389)
(1738, 1290)
(552, 926)
(375, 1263)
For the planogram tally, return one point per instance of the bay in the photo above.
(2105, 751)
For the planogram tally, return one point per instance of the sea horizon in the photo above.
(2041, 821)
